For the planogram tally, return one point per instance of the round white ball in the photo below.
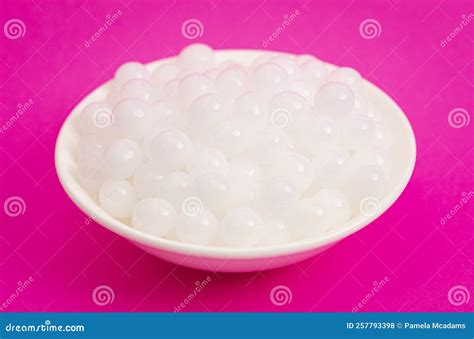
(154, 216)
(170, 150)
(208, 160)
(213, 190)
(128, 71)
(336, 206)
(175, 187)
(96, 118)
(242, 227)
(146, 181)
(199, 229)
(117, 197)
(137, 88)
(132, 119)
(122, 158)
(334, 99)
(193, 86)
(296, 167)
(198, 57)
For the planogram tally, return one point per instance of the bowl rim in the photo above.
(95, 212)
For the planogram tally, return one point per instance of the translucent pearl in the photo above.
(357, 131)
(113, 96)
(208, 160)
(166, 114)
(304, 88)
(244, 181)
(348, 76)
(268, 142)
(332, 166)
(336, 206)
(374, 156)
(288, 63)
(213, 190)
(137, 88)
(154, 216)
(247, 112)
(212, 73)
(96, 118)
(334, 99)
(232, 82)
(229, 137)
(302, 58)
(117, 198)
(170, 90)
(170, 150)
(296, 167)
(286, 108)
(383, 136)
(146, 181)
(175, 187)
(93, 145)
(314, 134)
(306, 217)
(128, 71)
(374, 113)
(164, 74)
(366, 181)
(276, 195)
(197, 57)
(199, 229)
(205, 112)
(122, 158)
(90, 172)
(268, 78)
(132, 119)
(242, 227)
(245, 168)
(261, 59)
(361, 105)
(314, 71)
(193, 86)
(275, 233)
(243, 191)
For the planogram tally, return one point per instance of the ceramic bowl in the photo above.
(237, 259)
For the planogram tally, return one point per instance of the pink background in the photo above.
(421, 257)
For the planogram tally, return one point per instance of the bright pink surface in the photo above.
(67, 258)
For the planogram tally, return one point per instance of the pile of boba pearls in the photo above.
(234, 154)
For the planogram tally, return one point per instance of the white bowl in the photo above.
(237, 259)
